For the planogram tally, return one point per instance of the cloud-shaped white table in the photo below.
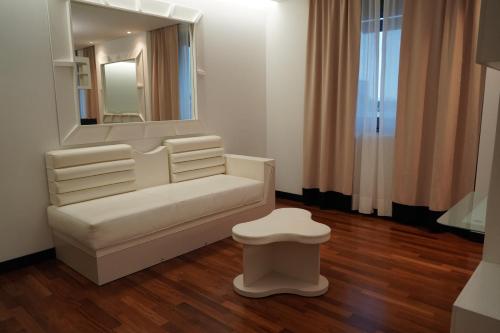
(281, 254)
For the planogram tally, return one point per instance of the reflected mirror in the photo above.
(121, 87)
(131, 67)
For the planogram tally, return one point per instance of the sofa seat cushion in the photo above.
(112, 220)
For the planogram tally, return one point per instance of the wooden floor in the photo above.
(384, 277)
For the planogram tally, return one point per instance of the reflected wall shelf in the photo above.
(64, 63)
(83, 72)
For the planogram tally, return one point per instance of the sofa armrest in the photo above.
(257, 168)
(249, 167)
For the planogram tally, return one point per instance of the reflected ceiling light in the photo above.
(129, 32)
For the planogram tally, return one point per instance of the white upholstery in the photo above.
(198, 164)
(247, 166)
(88, 170)
(82, 174)
(84, 183)
(196, 157)
(195, 174)
(104, 235)
(151, 168)
(115, 219)
(62, 199)
(72, 157)
(194, 143)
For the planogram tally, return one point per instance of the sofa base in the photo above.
(129, 258)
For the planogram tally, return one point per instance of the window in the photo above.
(392, 35)
(376, 105)
(185, 75)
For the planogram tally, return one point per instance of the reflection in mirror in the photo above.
(131, 67)
(123, 91)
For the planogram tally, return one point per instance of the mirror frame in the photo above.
(65, 76)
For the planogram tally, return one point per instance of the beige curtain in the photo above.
(165, 73)
(439, 103)
(331, 92)
(92, 94)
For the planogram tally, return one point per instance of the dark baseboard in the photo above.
(470, 235)
(289, 196)
(24, 261)
(327, 200)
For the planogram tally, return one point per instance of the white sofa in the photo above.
(116, 211)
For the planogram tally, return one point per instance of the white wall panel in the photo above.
(28, 126)
(286, 63)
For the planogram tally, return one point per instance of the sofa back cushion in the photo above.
(151, 168)
(195, 157)
(83, 174)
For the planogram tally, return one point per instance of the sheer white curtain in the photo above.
(376, 106)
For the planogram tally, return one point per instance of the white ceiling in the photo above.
(98, 24)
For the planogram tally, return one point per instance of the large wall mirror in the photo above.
(124, 70)
(131, 67)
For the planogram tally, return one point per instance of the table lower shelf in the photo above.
(277, 283)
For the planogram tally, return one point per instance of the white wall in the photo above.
(28, 126)
(488, 130)
(286, 56)
(232, 103)
(491, 250)
(488, 167)
(231, 48)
